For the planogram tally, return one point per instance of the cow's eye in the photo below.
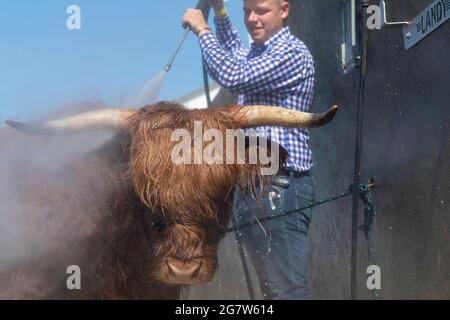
(159, 225)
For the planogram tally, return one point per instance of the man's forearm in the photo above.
(203, 30)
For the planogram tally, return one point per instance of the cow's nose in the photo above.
(183, 272)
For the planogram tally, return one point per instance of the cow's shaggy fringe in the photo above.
(153, 173)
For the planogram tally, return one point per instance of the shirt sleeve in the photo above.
(228, 36)
(279, 69)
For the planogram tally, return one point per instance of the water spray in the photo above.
(150, 91)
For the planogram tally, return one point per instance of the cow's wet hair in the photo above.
(120, 210)
(194, 201)
(187, 193)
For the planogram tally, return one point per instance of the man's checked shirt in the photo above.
(279, 72)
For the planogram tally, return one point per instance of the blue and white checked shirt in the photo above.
(279, 72)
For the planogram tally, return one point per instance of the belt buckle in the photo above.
(280, 181)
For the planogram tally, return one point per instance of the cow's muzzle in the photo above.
(193, 271)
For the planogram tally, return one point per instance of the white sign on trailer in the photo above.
(426, 22)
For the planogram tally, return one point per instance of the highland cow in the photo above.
(137, 225)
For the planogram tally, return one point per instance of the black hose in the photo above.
(358, 147)
(204, 6)
(206, 85)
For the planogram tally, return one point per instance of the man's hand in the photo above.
(216, 4)
(195, 20)
(219, 8)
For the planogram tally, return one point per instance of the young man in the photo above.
(277, 70)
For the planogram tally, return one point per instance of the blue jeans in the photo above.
(278, 248)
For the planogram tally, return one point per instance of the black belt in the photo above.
(281, 181)
(295, 174)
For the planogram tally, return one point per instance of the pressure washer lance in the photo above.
(180, 43)
(201, 5)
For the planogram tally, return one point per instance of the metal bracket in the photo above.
(384, 22)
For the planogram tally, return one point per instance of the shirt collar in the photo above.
(283, 33)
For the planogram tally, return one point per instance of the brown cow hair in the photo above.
(102, 211)
(153, 173)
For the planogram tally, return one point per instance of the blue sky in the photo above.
(120, 46)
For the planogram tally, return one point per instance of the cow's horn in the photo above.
(255, 116)
(100, 119)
